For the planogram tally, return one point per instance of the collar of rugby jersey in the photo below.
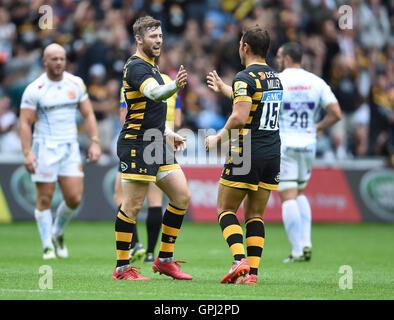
(146, 59)
(261, 63)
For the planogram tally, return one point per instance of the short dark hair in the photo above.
(293, 50)
(143, 24)
(258, 39)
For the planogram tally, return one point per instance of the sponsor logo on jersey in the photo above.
(262, 75)
(123, 166)
(273, 96)
(271, 74)
(240, 88)
(299, 88)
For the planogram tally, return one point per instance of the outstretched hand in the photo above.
(181, 78)
(215, 82)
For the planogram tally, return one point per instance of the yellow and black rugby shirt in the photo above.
(260, 85)
(142, 113)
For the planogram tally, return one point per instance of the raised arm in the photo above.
(156, 92)
(216, 84)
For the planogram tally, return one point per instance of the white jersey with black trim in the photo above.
(55, 103)
(304, 94)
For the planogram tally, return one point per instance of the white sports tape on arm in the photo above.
(167, 131)
(156, 92)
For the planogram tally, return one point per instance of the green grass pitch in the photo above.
(86, 274)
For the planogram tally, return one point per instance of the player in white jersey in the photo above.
(52, 151)
(304, 94)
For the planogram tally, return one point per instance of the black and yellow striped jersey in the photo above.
(142, 112)
(260, 85)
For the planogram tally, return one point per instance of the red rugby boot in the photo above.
(170, 269)
(127, 273)
(237, 269)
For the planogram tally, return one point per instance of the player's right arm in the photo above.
(26, 120)
(140, 77)
(216, 84)
(242, 104)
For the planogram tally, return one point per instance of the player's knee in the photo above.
(73, 201)
(182, 200)
(44, 201)
(132, 210)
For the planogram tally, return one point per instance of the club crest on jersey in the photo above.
(71, 95)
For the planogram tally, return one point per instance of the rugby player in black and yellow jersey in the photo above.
(146, 93)
(257, 97)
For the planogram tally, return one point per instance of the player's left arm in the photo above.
(86, 109)
(333, 115)
(331, 105)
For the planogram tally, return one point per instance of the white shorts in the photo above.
(56, 159)
(296, 166)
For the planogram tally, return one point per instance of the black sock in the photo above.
(153, 226)
(135, 236)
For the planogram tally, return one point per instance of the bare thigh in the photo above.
(255, 203)
(154, 196)
(174, 185)
(229, 199)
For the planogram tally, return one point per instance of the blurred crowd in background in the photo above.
(203, 35)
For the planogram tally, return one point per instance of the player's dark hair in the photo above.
(143, 24)
(258, 39)
(293, 50)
